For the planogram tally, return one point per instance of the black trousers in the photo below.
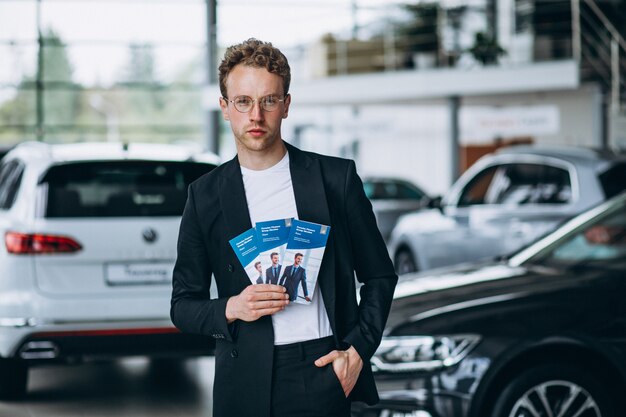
(301, 389)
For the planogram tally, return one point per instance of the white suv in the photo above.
(90, 235)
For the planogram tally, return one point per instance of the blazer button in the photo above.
(231, 268)
(234, 353)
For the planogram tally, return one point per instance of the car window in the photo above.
(119, 188)
(406, 192)
(518, 184)
(368, 187)
(613, 180)
(394, 190)
(475, 192)
(10, 180)
(603, 240)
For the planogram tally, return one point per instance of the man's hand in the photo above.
(347, 365)
(256, 301)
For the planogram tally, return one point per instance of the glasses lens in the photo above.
(270, 103)
(243, 103)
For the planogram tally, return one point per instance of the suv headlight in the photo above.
(422, 353)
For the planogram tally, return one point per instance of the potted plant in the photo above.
(486, 49)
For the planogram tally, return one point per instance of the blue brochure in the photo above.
(246, 247)
(272, 237)
(303, 258)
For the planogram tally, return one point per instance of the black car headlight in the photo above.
(422, 353)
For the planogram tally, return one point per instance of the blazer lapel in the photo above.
(233, 199)
(308, 187)
(312, 206)
(234, 206)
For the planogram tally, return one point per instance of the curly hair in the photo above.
(257, 54)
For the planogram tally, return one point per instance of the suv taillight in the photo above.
(27, 243)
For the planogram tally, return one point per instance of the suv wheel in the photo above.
(404, 262)
(13, 379)
(554, 390)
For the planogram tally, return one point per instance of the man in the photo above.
(259, 269)
(294, 275)
(273, 358)
(273, 272)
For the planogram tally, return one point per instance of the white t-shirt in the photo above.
(270, 196)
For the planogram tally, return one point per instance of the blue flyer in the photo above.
(303, 258)
(246, 247)
(272, 237)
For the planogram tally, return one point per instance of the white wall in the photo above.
(579, 113)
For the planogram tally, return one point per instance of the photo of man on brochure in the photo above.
(272, 237)
(273, 272)
(305, 246)
(259, 268)
(293, 277)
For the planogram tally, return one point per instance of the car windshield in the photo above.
(119, 188)
(601, 241)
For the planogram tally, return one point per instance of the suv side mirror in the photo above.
(435, 203)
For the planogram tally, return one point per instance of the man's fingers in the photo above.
(326, 359)
(266, 311)
(267, 288)
(266, 292)
(263, 296)
(271, 304)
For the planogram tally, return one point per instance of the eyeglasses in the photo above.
(244, 104)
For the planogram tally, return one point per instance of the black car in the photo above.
(542, 333)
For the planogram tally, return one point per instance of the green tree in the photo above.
(139, 76)
(140, 67)
(60, 97)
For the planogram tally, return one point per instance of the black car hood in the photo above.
(453, 295)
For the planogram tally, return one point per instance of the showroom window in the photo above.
(120, 71)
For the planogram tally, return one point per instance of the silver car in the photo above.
(504, 201)
(391, 198)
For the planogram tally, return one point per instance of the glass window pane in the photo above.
(531, 184)
(613, 180)
(120, 189)
(144, 21)
(603, 240)
(18, 20)
(407, 192)
(17, 107)
(18, 62)
(123, 108)
(476, 191)
(95, 64)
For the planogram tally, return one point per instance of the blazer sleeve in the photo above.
(192, 309)
(373, 268)
(304, 284)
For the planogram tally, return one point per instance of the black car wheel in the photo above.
(404, 262)
(13, 379)
(554, 390)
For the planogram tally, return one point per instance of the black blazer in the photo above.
(327, 191)
(270, 278)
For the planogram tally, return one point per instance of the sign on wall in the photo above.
(484, 123)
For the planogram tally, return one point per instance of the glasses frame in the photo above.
(255, 100)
